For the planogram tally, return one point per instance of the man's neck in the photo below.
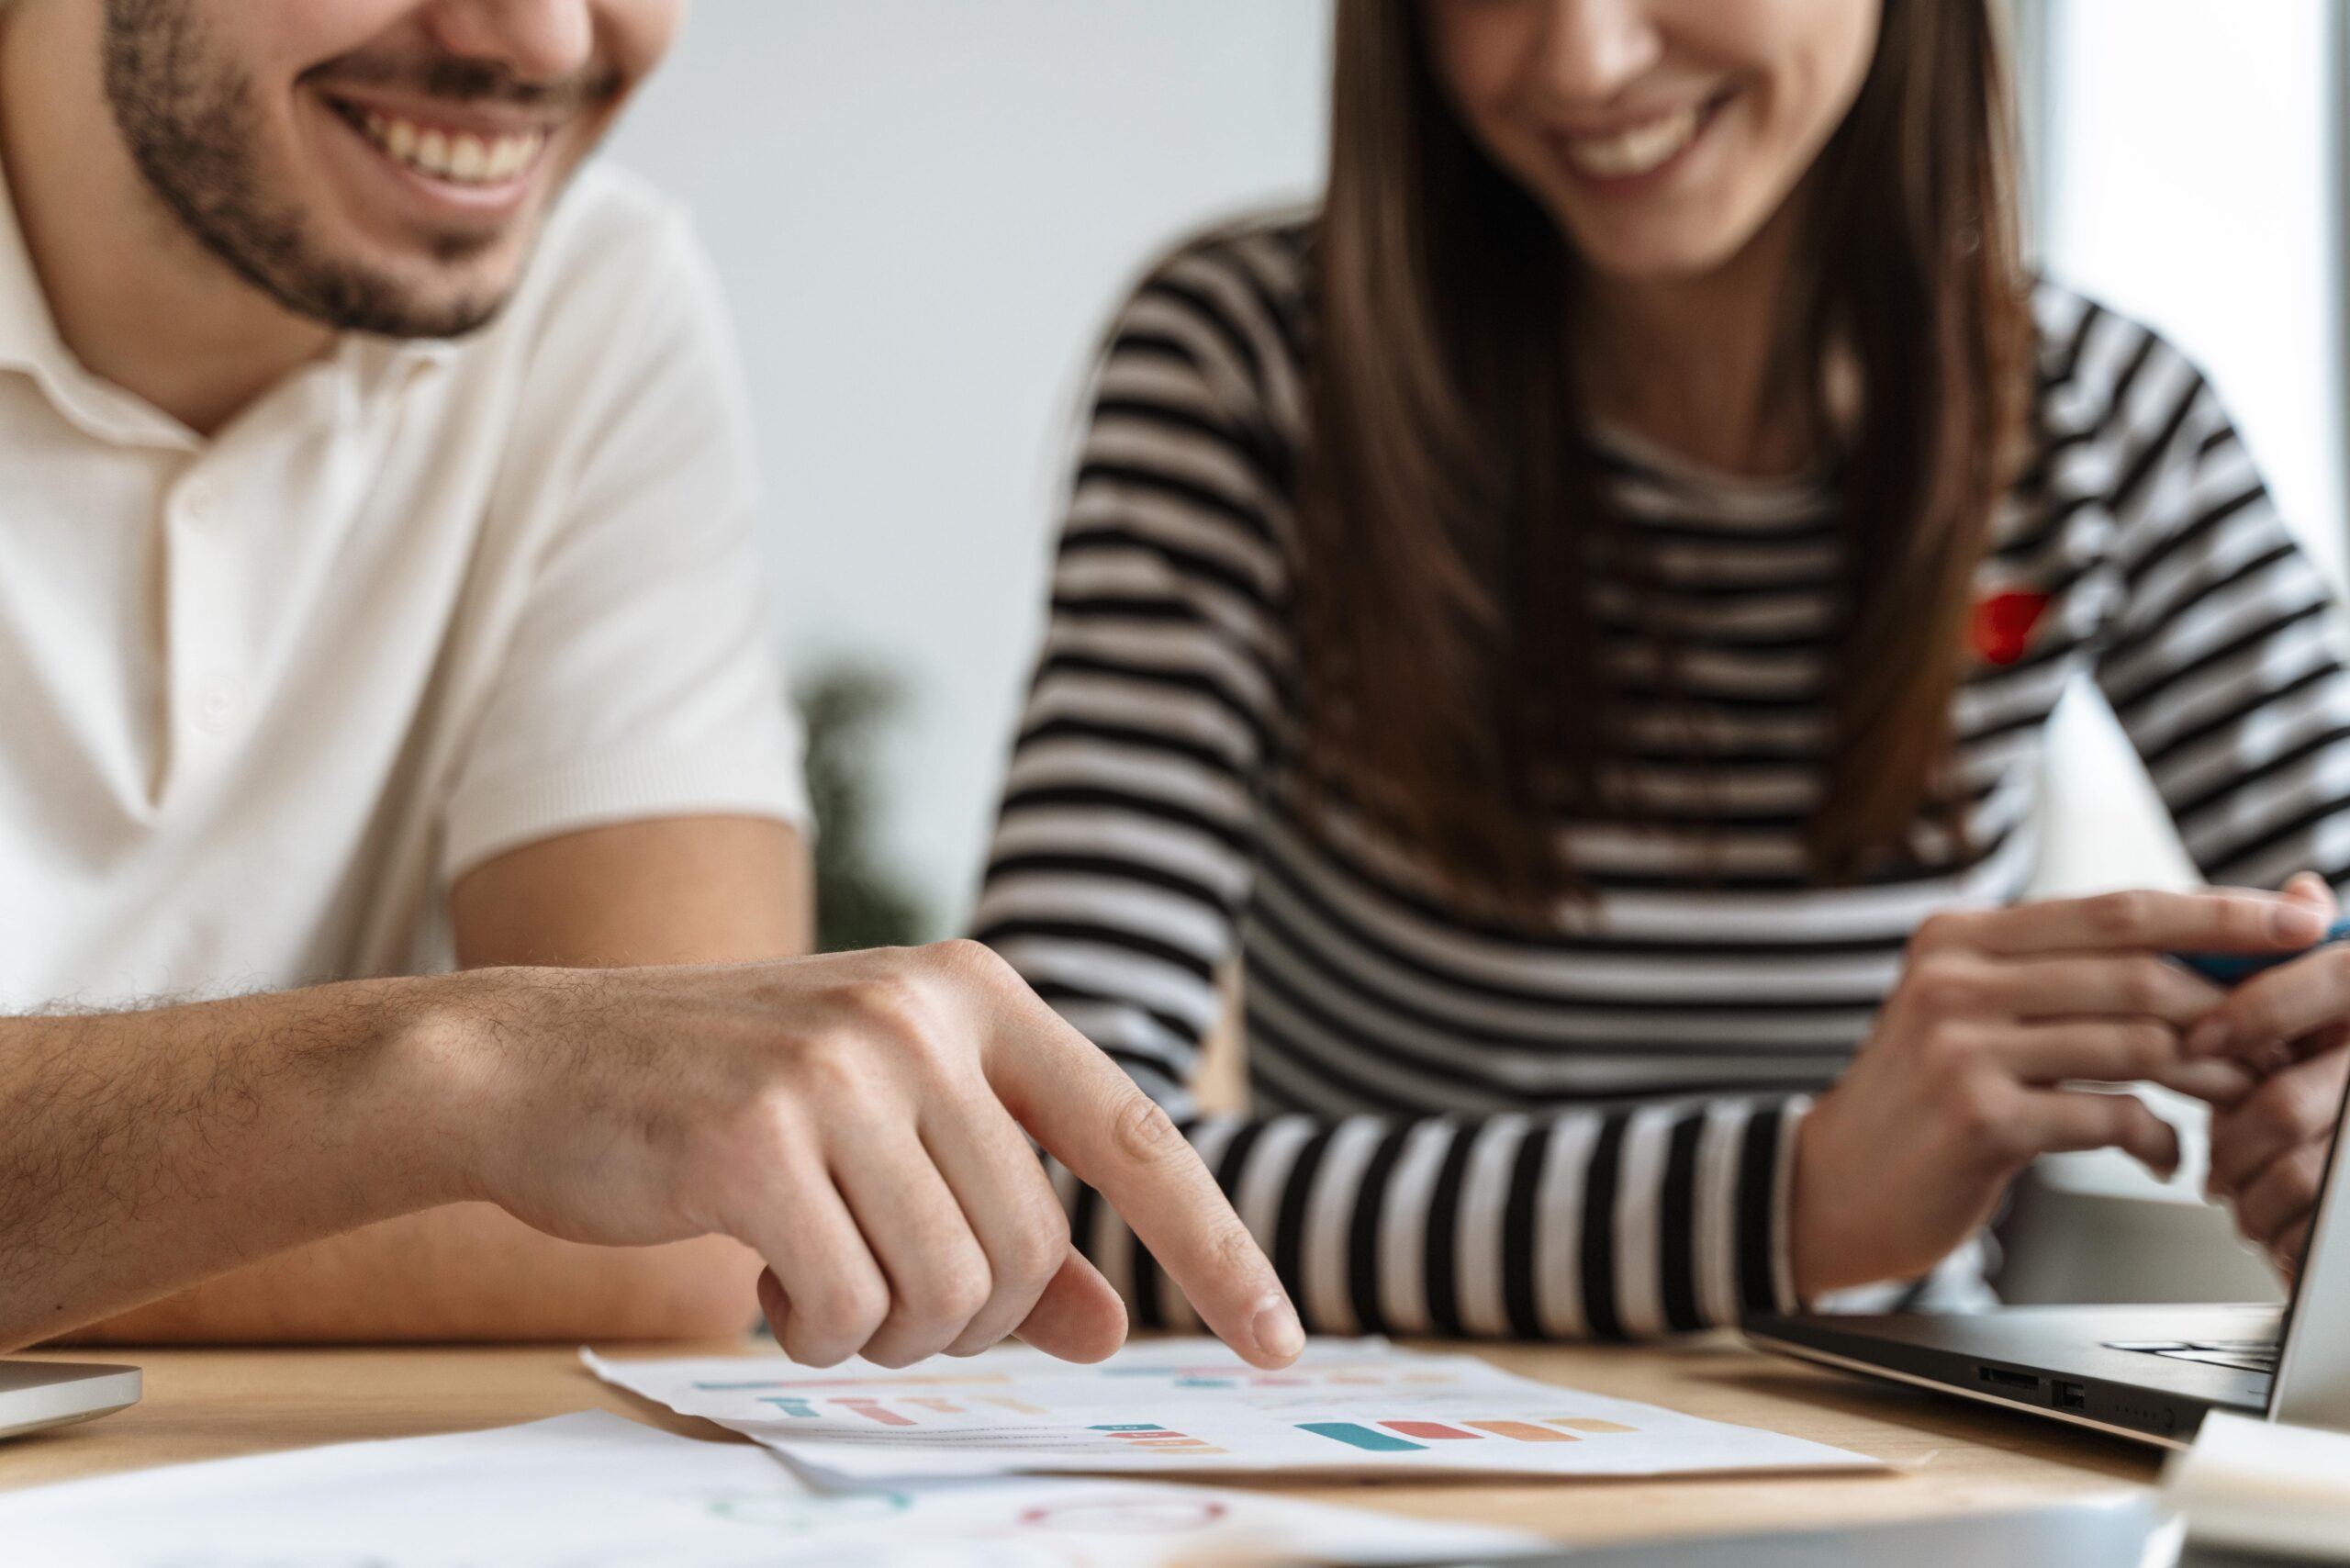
(135, 298)
(1697, 365)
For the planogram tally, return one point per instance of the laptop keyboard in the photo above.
(2245, 1355)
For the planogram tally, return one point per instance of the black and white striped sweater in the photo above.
(1461, 1127)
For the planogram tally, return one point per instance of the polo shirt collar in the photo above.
(371, 367)
(30, 342)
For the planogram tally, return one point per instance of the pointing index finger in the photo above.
(2207, 922)
(1117, 1139)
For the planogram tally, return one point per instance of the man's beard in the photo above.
(193, 129)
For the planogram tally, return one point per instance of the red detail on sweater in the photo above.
(2003, 623)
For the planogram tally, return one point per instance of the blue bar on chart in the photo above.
(1361, 1436)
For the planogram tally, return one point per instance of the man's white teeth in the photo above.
(1635, 149)
(463, 159)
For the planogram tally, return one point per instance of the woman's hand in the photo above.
(1959, 1086)
(2273, 1060)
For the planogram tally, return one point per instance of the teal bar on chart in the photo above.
(1361, 1436)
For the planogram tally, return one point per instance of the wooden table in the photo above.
(1952, 1457)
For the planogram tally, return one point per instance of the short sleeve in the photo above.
(641, 679)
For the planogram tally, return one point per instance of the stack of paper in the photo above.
(2264, 1487)
(597, 1491)
(1191, 1407)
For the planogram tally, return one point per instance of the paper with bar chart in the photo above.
(596, 1491)
(1184, 1407)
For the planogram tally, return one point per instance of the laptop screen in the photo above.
(2312, 1383)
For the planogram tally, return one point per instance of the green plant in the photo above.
(860, 902)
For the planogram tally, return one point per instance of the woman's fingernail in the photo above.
(2207, 1038)
(2297, 923)
(1276, 1330)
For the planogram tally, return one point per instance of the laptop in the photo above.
(2146, 1372)
(39, 1395)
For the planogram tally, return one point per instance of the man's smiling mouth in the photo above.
(459, 157)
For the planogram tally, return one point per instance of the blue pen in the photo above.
(2234, 968)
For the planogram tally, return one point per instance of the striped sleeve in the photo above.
(2223, 655)
(1121, 869)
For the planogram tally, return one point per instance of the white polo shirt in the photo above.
(263, 696)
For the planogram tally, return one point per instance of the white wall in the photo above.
(2189, 184)
(924, 211)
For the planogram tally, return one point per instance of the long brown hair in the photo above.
(1450, 513)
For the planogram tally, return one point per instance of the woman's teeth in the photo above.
(461, 158)
(1635, 149)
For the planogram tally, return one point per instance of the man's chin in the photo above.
(355, 299)
(454, 285)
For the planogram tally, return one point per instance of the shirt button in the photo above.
(201, 505)
(217, 699)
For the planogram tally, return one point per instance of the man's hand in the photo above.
(858, 1120)
(2273, 1061)
(1964, 1081)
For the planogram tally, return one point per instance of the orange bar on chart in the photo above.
(1524, 1431)
(1588, 1424)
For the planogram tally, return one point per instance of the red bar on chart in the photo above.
(1427, 1430)
(872, 1411)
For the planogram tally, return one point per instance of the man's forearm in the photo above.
(468, 1271)
(141, 1153)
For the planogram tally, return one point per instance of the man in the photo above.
(380, 589)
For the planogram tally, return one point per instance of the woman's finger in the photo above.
(2292, 1248)
(2095, 1050)
(2077, 985)
(2217, 1082)
(1009, 1202)
(2281, 1194)
(2259, 1020)
(2310, 888)
(2068, 1121)
(938, 1274)
(2207, 922)
(2295, 1107)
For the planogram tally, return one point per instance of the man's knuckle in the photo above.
(834, 1066)
(1141, 1132)
(957, 1295)
(839, 1317)
(1233, 1249)
(886, 1003)
(1037, 1250)
(969, 960)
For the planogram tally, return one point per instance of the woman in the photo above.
(1565, 617)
